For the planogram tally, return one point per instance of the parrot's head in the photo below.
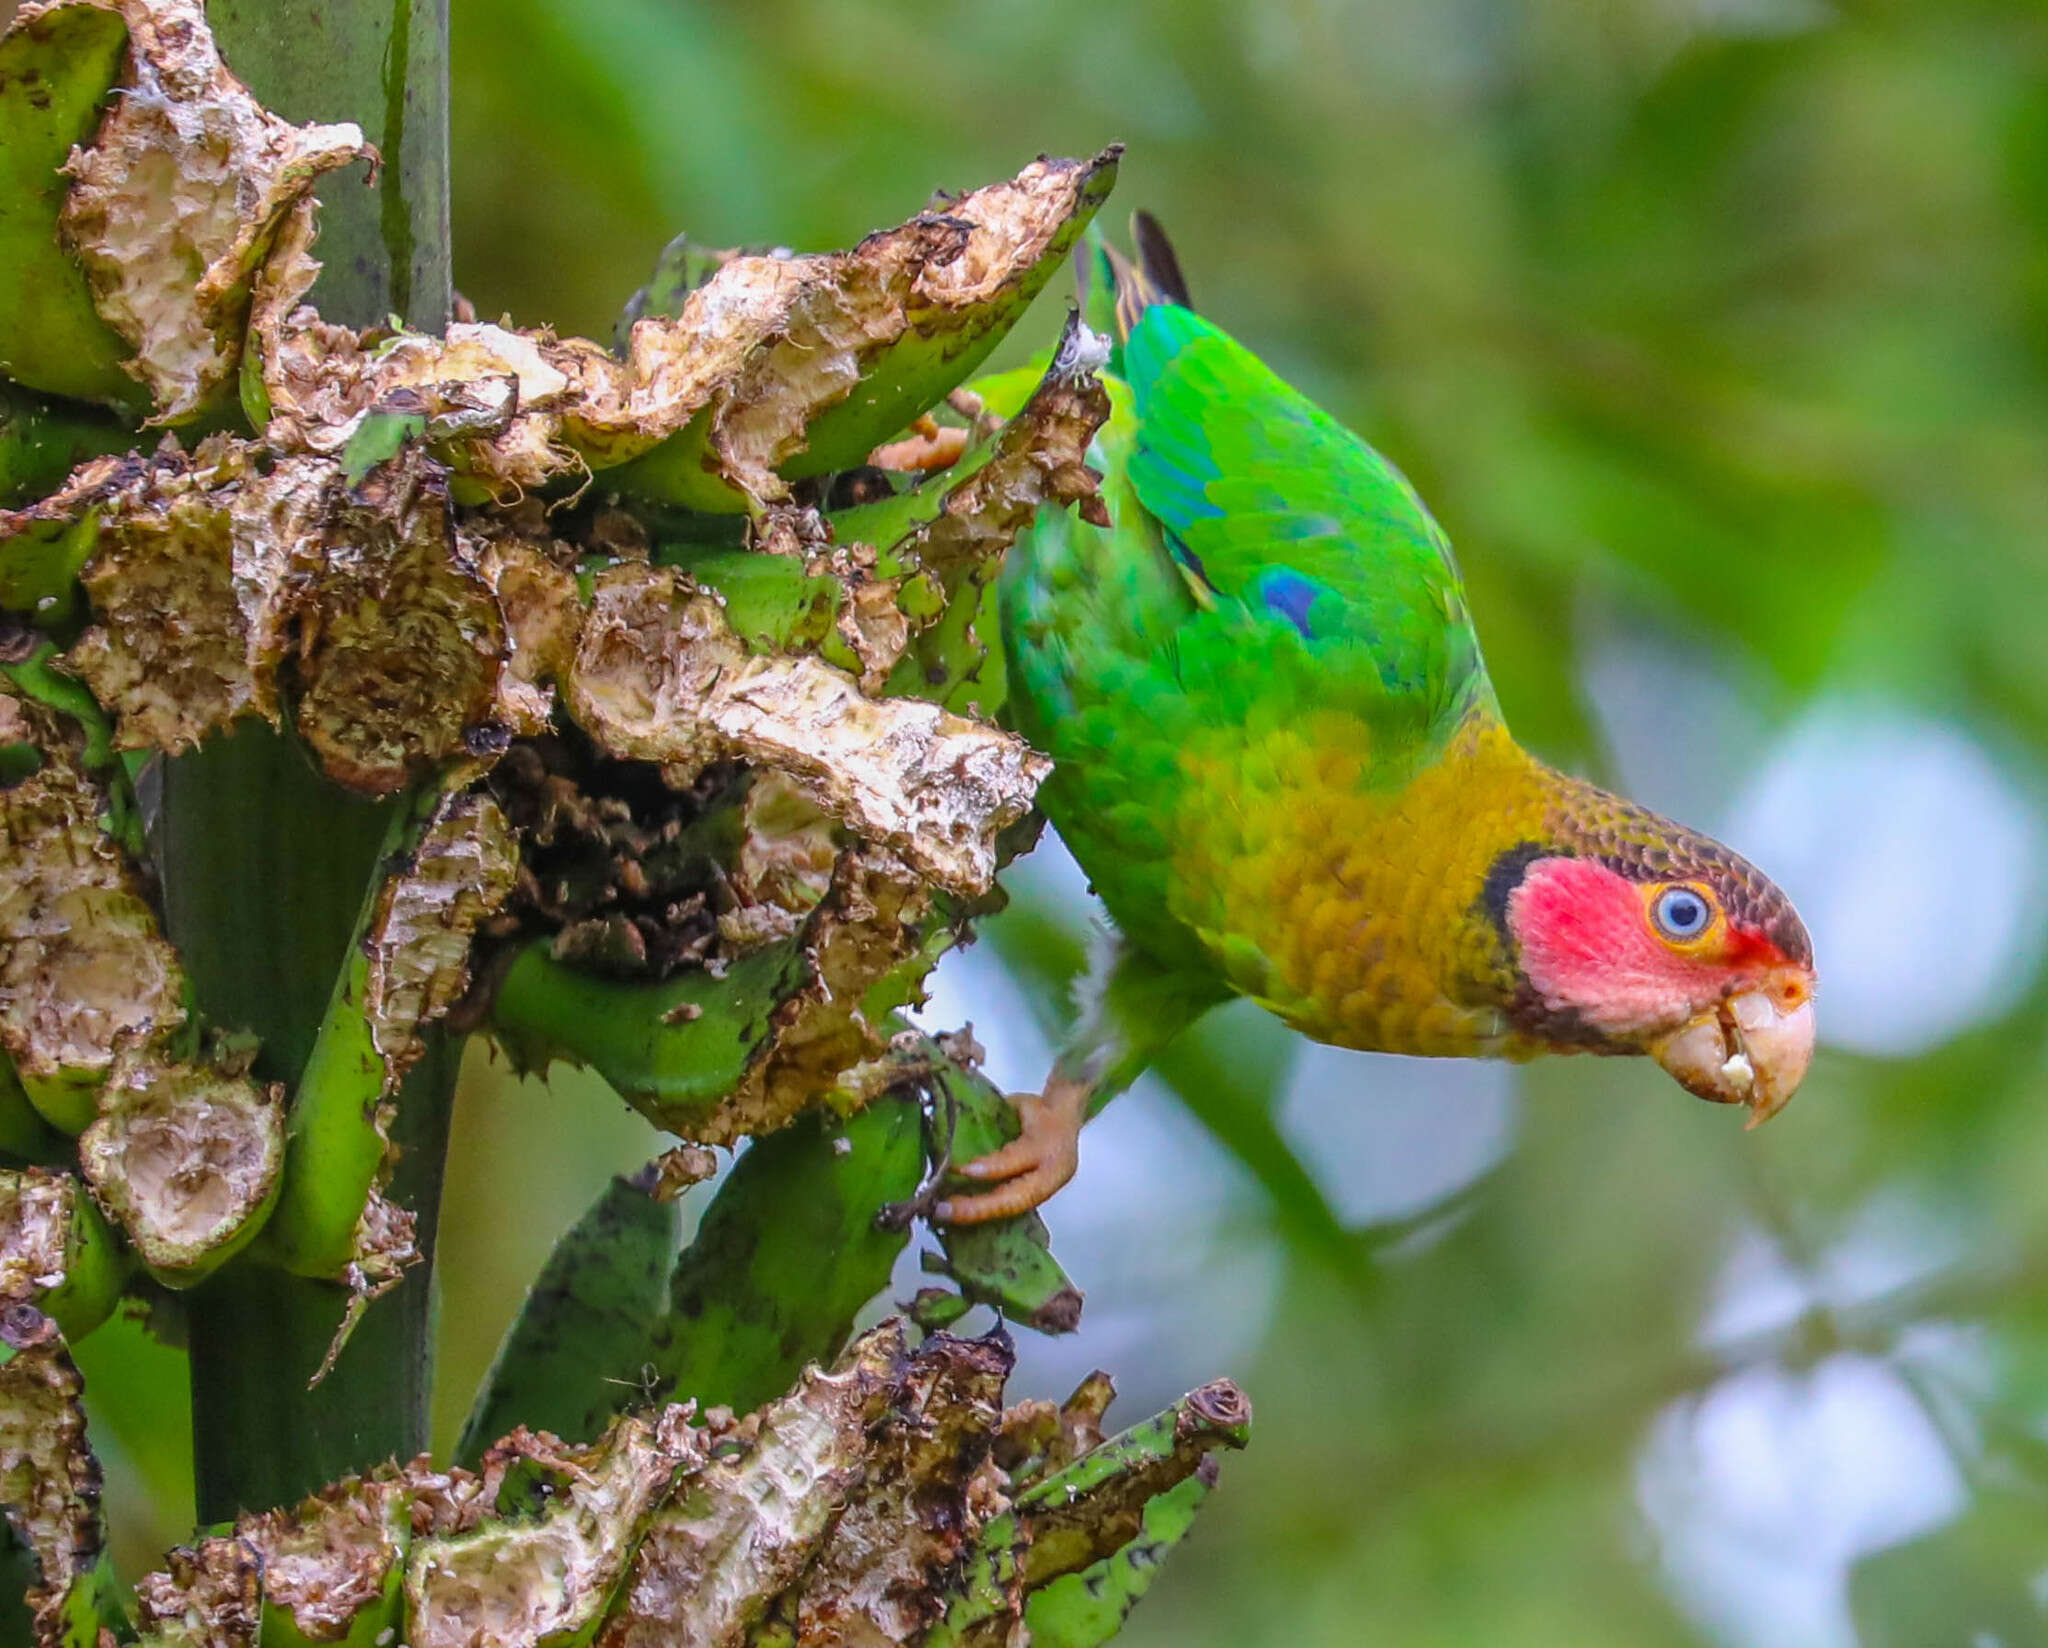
(1635, 935)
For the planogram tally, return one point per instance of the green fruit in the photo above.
(56, 70)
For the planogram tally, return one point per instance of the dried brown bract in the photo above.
(741, 1528)
(186, 1157)
(84, 972)
(332, 1557)
(660, 676)
(402, 642)
(871, 921)
(187, 172)
(929, 1487)
(209, 1595)
(35, 1231)
(49, 1480)
(194, 581)
(419, 939)
(551, 1575)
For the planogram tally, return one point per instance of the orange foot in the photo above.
(1031, 1166)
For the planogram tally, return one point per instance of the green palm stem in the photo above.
(265, 863)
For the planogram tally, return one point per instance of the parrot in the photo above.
(1279, 759)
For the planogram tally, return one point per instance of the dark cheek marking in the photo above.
(1504, 876)
(1561, 1027)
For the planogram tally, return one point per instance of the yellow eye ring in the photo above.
(1682, 913)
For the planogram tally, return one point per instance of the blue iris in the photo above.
(1682, 913)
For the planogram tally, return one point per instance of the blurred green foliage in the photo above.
(1721, 325)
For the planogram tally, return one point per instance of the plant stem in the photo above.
(384, 65)
(260, 1436)
(265, 863)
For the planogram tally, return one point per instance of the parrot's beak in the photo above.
(1751, 1049)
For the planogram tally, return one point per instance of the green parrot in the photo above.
(1281, 763)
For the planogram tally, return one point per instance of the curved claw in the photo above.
(1031, 1166)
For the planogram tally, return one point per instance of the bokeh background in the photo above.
(1716, 332)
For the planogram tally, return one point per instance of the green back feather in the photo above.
(1262, 561)
(1282, 511)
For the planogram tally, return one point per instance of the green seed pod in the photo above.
(572, 1357)
(1004, 1263)
(787, 1255)
(448, 862)
(838, 352)
(1080, 1543)
(56, 70)
(673, 1050)
(57, 1251)
(187, 1155)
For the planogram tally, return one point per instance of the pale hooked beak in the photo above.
(1752, 1049)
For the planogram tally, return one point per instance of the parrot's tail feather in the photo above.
(1115, 291)
(1157, 259)
(1134, 294)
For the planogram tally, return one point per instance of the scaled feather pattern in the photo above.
(1280, 761)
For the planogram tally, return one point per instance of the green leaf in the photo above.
(772, 603)
(39, 567)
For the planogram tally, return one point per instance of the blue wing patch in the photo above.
(1289, 593)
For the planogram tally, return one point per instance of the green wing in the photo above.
(1262, 565)
(1276, 513)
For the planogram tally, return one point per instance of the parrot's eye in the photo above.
(1681, 913)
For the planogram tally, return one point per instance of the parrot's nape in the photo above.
(1279, 759)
